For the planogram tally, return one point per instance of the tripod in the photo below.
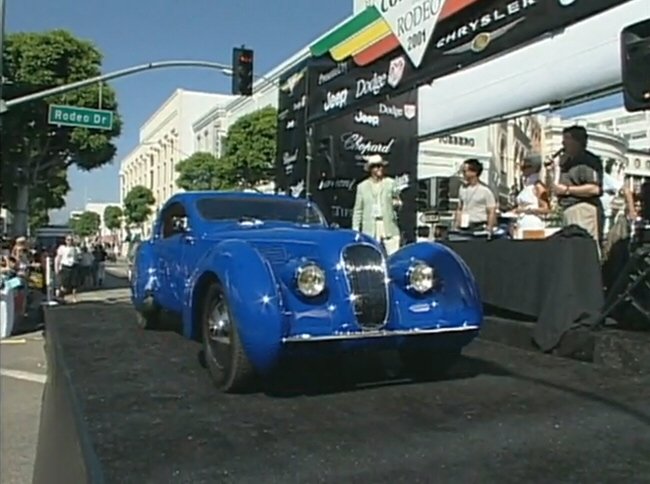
(628, 299)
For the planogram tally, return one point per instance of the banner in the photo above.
(291, 146)
(396, 46)
(340, 145)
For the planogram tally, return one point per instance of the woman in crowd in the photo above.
(99, 268)
(533, 200)
(86, 263)
(66, 266)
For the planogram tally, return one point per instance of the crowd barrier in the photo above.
(64, 452)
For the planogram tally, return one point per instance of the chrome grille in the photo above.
(275, 254)
(364, 267)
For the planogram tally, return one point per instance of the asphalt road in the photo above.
(504, 415)
(22, 374)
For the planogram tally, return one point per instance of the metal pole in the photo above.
(2, 49)
(49, 284)
(107, 77)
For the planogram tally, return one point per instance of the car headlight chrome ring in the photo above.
(310, 280)
(421, 277)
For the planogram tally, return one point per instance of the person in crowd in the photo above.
(532, 201)
(86, 263)
(376, 204)
(477, 207)
(612, 193)
(20, 252)
(66, 266)
(99, 269)
(580, 183)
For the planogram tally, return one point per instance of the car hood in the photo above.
(280, 243)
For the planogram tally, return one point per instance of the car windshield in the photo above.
(238, 208)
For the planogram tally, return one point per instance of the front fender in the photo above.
(253, 297)
(144, 279)
(455, 302)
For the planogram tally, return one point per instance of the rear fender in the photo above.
(253, 297)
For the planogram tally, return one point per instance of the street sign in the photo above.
(80, 117)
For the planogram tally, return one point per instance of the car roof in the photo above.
(189, 197)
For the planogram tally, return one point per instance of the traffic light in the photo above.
(635, 59)
(443, 194)
(423, 199)
(242, 71)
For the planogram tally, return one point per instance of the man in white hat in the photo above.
(375, 205)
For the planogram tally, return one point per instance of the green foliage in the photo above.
(137, 205)
(47, 195)
(200, 172)
(34, 153)
(86, 224)
(113, 217)
(250, 149)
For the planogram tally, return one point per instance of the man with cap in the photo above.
(377, 199)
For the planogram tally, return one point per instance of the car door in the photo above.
(171, 246)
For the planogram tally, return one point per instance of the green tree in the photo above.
(250, 149)
(200, 172)
(49, 194)
(36, 155)
(113, 218)
(138, 205)
(86, 224)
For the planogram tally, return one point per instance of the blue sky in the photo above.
(131, 32)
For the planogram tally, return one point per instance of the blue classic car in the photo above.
(258, 278)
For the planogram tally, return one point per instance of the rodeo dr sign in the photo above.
(412, 22)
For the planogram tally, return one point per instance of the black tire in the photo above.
(429, 364)
(225, 358)
(148, 320)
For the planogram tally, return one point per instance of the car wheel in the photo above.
(225, 357)
(429, 364)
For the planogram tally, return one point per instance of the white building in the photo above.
(633, 127)
(165, 139)
(99, 209)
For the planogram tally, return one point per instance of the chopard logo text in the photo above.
(356, 142)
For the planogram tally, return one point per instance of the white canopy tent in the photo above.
(580, 60)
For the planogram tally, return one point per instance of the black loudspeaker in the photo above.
(628, 299)
(635, 59)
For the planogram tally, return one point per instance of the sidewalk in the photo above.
(22, 375)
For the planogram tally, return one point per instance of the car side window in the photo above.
(173, 220)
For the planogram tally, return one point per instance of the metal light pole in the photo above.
(107, 77)
(2, 49)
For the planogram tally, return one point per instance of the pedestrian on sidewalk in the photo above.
(66, 266)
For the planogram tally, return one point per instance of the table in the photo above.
(555, 281)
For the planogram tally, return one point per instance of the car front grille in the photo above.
(366, 272)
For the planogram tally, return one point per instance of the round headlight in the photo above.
(310, 280)
(421, 277)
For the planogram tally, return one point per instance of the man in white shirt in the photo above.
(66, 266)
(477, 208)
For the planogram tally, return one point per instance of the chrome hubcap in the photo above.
(219, 324)
(219, 327)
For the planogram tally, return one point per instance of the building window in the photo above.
(633, 118)
(638, 135)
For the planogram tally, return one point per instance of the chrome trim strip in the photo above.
(307, 338)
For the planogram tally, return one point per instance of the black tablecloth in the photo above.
(556, 281)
